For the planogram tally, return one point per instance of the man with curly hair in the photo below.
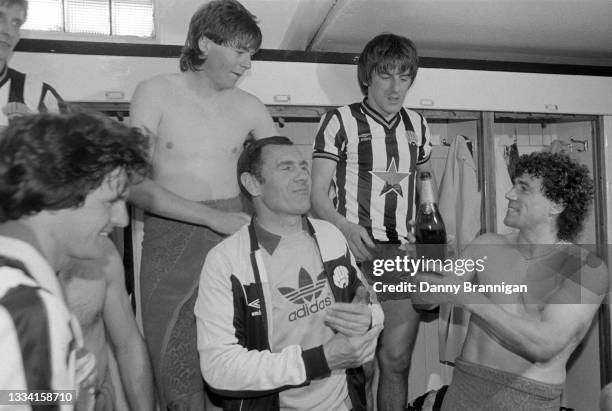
(534, 298)
(63, 185)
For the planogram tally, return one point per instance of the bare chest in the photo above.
(191, 129)
(86, 300)
(539, 279)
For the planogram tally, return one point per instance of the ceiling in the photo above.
(575, 32)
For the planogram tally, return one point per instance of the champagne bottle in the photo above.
(429, 227)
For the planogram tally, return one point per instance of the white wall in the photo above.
(88, 77)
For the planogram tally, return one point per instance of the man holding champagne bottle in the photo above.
(371, 151)
(518, 343)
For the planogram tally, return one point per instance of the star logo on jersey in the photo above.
(307, 289)
(392, 179)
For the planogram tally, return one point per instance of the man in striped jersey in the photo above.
(20, 93)
(371, 151)
(63, 185)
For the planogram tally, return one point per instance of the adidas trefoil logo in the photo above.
(307, 295)
(306, 288)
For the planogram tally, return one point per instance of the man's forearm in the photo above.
(532, 339)
(232, 370)
(136, 376)
(153, 198)
(324, 209)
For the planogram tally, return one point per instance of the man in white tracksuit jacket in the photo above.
(284, 320)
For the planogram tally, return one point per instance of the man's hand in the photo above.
(408, 246)
(349, 352)
(86, 371)
(410, 237)
(228, 222)
(358, 240)
(362, 296)
(350, 319)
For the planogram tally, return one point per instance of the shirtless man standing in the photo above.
(518, 344)
(200, 121)
(95, 290)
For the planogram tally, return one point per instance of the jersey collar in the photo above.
(269, 241)
(379, 118)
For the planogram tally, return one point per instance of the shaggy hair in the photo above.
(386, 53)
(52, 162)
(225, 22)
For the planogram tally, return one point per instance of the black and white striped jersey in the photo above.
(375, 177)
(38, 334)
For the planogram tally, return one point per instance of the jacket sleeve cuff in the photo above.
(315, 363)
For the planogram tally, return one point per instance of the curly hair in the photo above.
(225, 22)
(52, 162)
(384, 54)
(564, 182)
(250, 160)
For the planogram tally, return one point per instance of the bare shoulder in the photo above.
(255, 113)
(159, 81)
(245, 100)
(156, 85)
(111, 263)
(150, 100)
(496, 249)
